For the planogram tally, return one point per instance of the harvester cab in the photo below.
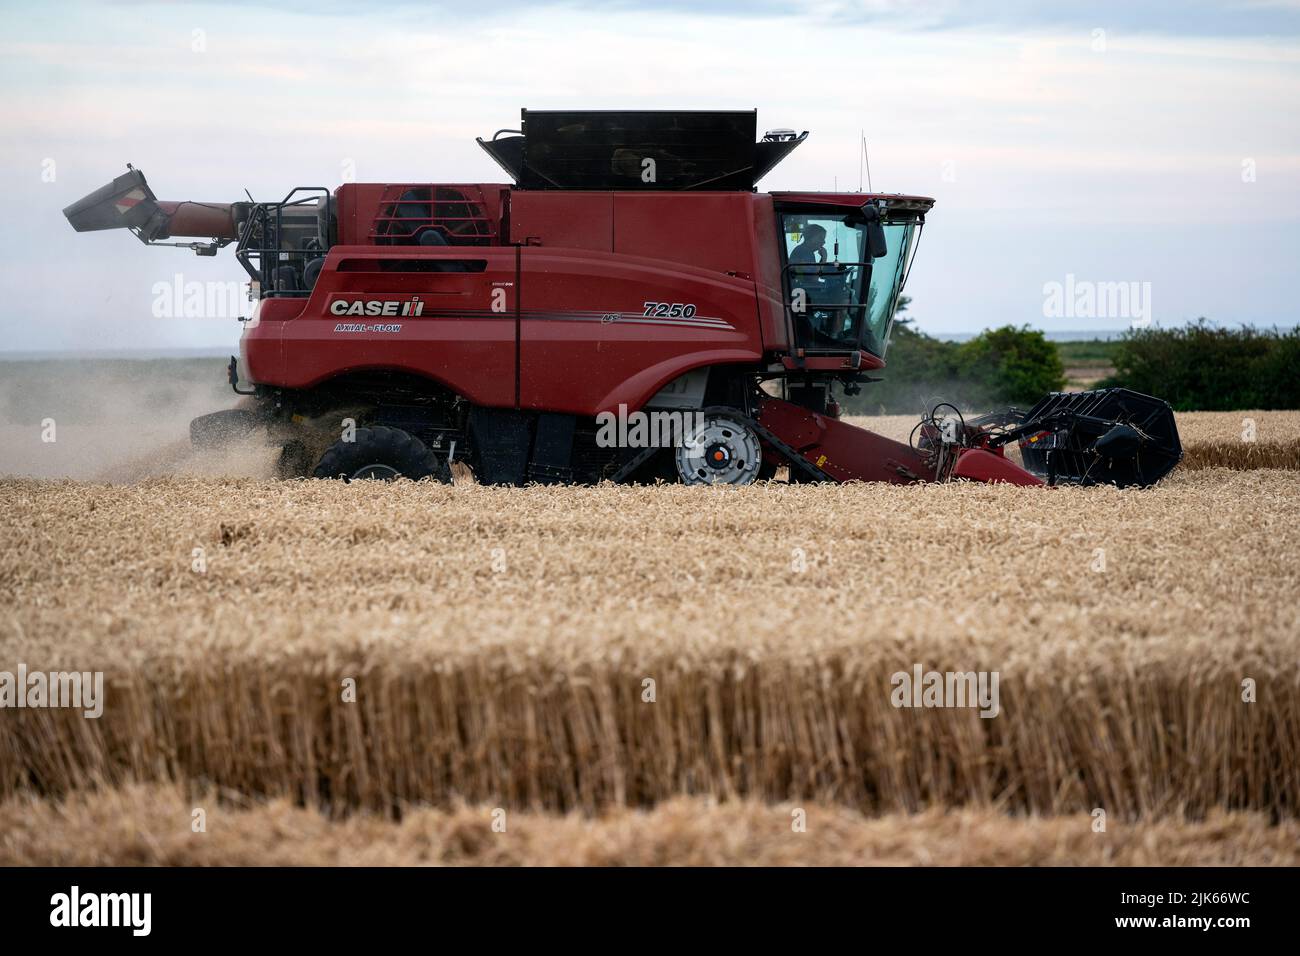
(844, 270)
(630, 270)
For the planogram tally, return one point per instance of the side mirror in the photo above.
(869, 216)
(877, 245)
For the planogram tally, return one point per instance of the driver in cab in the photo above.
(809, 270)
(812, 250)
(822, 284)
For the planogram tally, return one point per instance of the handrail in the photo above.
(259, 219)
(825, 307)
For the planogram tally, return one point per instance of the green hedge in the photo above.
(1205, 368)
(1195, 367)
(997, 368)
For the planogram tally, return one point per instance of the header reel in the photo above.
(1110, 436)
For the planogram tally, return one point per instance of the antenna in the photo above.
(864, 158)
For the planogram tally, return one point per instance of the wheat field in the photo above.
(154, 826)
(670, 665)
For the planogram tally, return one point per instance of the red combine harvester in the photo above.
(629, 309)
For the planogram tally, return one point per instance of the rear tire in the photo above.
(218, 428)
(294, 461)
(381, 453)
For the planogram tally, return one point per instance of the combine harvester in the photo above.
(631, 269)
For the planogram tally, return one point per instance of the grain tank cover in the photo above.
(638, 149)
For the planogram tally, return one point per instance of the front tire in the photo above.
(725, 451)
(381, 453)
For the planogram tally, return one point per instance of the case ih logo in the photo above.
(413, 306)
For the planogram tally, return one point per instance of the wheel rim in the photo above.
(723, 452)
(375, 472)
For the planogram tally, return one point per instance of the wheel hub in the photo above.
(725, 451)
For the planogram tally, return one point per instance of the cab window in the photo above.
(828, 280)
(841, 299)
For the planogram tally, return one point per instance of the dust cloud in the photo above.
(118, 420)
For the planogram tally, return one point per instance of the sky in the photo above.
(1068, 146)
